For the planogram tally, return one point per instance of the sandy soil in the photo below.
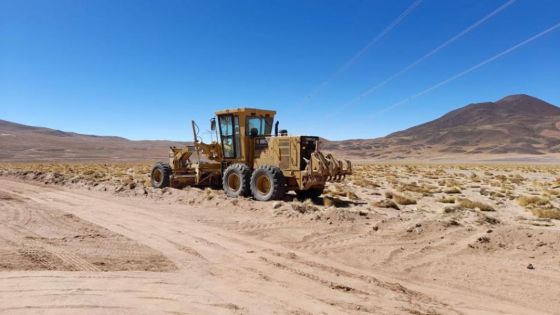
(99, 249)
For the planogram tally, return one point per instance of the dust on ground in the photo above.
(450, 233)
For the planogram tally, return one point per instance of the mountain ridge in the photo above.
(514, 125)
(19, 142)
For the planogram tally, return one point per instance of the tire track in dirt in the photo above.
(366, 283)
(62, 307)
(33, 241)
(333, 243)
(314, 277)
(188, 250)
(116, 290)
(251, 226)
(419, 303)
(305, 284)
(38, 247)
(368, 280)
(214, 244)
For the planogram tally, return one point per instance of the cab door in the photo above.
(229, 135)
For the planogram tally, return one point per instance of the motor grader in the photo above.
(249, 159)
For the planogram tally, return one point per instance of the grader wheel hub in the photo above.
(234, 182)
(157, 175)
(263, 184)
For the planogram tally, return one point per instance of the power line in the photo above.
(463, 73)
(426, 56)
(362, 51)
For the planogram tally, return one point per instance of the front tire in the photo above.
(236, 180)
(268, 183)
(161, 175)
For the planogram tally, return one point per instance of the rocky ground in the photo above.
(390, 239)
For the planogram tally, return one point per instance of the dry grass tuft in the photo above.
(364, 182)
(352, 196)
(121, 175)
(304, 207)
(553, 213)
(402, 200)
(539, 207)
(453, 190)
(476, 205)
(386, 203)
(426, 190)
(533, 201)
(445, 199)
(329, 201)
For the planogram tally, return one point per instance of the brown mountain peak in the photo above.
(514, 124)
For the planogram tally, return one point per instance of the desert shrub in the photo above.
(445, 199)
(498, 194)
(127, 174)
(363, 182)
(533, 201)
(386, 203)
(540, 207)
(517, 179)
(337, 191)
(426, 190)
(329, 201)
(453, 190)
(352, 196)
(553, 213)
(556, 181)
(470, 204)
(403, 200)
(304, 207)
(501, 178)
(483, 218)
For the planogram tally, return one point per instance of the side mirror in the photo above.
(213, 124)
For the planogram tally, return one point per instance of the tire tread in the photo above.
(244, 173)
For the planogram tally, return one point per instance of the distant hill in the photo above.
(513, 127)
(26, 143)
(516, 124)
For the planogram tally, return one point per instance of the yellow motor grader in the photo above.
(249, 159)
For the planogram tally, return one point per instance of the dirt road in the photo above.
(141, 256)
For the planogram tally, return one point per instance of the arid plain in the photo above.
(392, 238)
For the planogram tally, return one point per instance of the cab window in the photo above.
(229, 133)
(263, 125)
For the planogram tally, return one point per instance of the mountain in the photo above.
(26, 143)
(513, 127)
(516, 124)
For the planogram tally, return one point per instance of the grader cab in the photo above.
(251, 157)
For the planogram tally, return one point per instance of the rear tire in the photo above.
(312, 193)
(268, 183)
(236, 180)
(161, 175)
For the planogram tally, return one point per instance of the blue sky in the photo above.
(144, 69)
